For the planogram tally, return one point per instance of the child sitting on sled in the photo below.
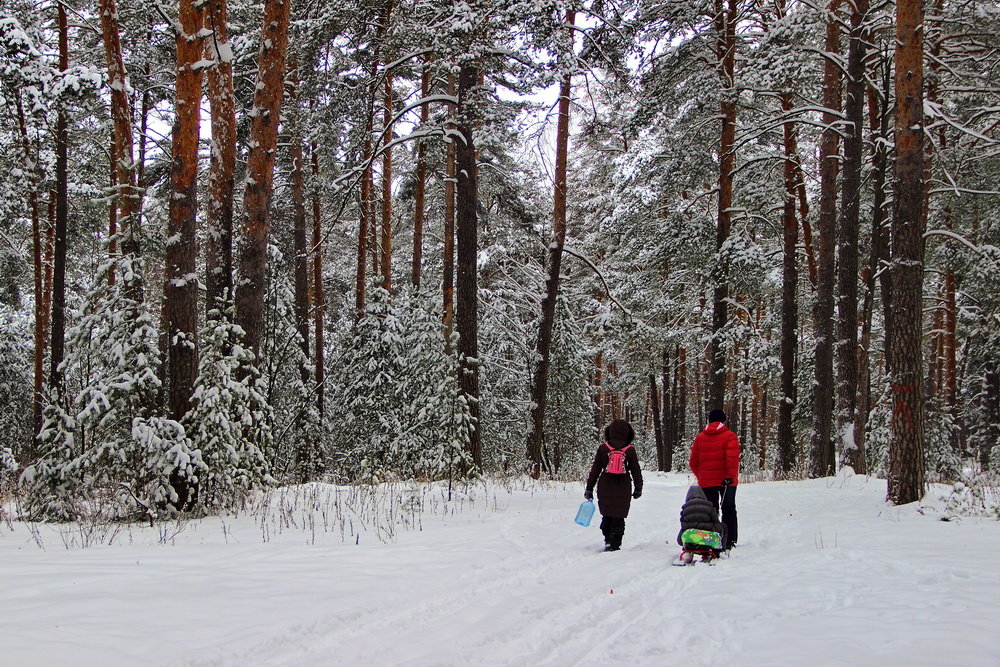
(701, 531)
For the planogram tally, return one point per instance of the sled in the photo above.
(699, 546)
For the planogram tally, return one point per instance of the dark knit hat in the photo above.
(716, 415)
(619, 432)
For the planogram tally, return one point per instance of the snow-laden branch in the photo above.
(513, 55)
(935, 110)
(604, 282)
(175, 26)
(838, 60)
(961, 191)
(444, 99)
(957, 237)
(399, 61)
(793, 115)
(413, 136)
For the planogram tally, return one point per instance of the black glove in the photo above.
(636, 493)
(588, 494)
(727, 481)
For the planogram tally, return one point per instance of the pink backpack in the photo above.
(616, 459)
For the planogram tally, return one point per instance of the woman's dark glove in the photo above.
(637, 493)
(727, 481)
(588, 494)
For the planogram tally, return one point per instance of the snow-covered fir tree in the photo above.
(229, 421)
(400, 413)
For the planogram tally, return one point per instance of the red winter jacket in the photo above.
(715, 455)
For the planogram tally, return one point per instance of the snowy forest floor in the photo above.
(826, 573)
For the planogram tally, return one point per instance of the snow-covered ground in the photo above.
(826, 573)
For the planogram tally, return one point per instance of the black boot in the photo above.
(606, 531)
(616, 531)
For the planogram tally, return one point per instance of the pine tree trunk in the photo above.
(821, 445)
(667, 409)
(725, 35)
(765, 427)
(222, 167)
(365, 204)
(49, 263)
(539, 382)
(58, 321)
(680, 411)
(364, 222)
(885, 235)
(467, 236)
(599, 389)
(847, 238)
(906, 453)
(807, 232)
(113, 206)
(879, 124)
(789, 302)
(319, 292)
(265, 113)
(181, 287)
(950, 340)
(947, 344)
(140, 168)
(421, 180)
(935, 361)
(307, 453)
(126, 199)
(700, 388)
(654, 399)
(386, 244)
(301, 246)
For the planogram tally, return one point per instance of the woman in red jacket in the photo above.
(715, 461)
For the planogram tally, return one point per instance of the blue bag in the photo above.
(585, 513)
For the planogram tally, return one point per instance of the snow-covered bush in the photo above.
(978, 496)
(103, 439)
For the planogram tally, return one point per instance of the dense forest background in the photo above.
(248, 243)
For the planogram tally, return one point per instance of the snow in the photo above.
(826, 573)
(202, 64)
(224, 51)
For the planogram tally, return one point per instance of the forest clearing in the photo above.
(827, 573)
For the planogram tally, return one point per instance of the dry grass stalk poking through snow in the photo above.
(355, 511)
(318, 512)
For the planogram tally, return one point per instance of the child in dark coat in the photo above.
(615, 490)
(699, 514)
